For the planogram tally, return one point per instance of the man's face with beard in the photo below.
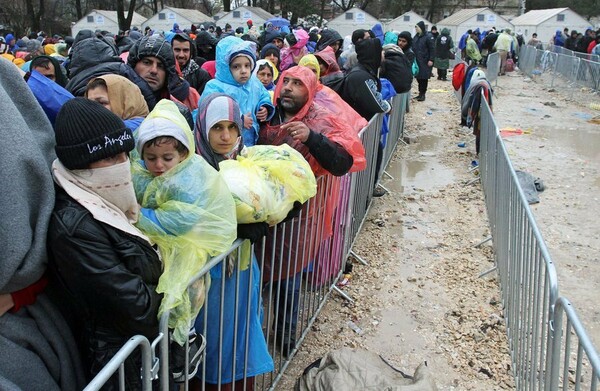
(293, 96)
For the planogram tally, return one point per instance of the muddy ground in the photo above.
(420, 297)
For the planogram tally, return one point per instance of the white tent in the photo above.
(470, 19)
(546, 22)
(239, 16)
(103, 20)
(351, 20)
(165, 18)
(407, 22)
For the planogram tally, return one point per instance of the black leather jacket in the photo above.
(106, 280)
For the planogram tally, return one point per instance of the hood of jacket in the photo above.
(378, 32)
(186, 37)
(392, 48)
(60, 77)
(390, 37)
(91, 51)
(328, 37)
(445, 32)
(327, 55)
(421, 25)
(227, 49)
(153, 46)
(204, 38)
(165, 120)
(307, 77)
(408, 36)
(368, 52)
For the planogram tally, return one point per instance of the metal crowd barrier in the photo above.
(293, 271)
(492, 68)
(561, 71)
(532, 308)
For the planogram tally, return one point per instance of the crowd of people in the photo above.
(115, 149)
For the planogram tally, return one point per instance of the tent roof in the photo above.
(192, 15)
(535, 17)
(342, 18)
(461, 16)
(112, 15)
(401, 18)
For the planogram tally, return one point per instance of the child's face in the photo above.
(265, 76)
(241, 69)
(160, 158)
(223, 136)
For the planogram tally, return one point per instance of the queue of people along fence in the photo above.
(125, 163)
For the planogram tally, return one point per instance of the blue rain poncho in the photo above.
(189, 213)
(250, 96)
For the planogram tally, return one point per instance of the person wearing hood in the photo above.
(504, 45)
(362, 87)
(332, 38)
(205, 47)
(267, 73)
(396, 66)
(332, 148)
(423, 46)
(444, 47)
(272, 53)
(326, 97)
(10, 43)
(50, 68)
(472, 50)
(218, 133)
(120, 96)
(185, 52)
(176, 28)
(93, 55)
(38, 349)
(377, 31)
(153, 60)
(435, 33)
(273, 37)
(294, 49)
(330, 70)
(235, 62)
(187, 210)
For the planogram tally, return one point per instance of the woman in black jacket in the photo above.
(105, 269)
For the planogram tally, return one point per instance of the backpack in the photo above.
(458, 75)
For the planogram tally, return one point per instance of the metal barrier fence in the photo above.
(274, 289)
(492, 68)
(567, 52)
(561, 71)
(528, 279)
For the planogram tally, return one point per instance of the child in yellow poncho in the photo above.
(187, 210)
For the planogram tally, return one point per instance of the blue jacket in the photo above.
(250, 96)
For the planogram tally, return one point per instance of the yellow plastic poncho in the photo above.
(194, 219)
(266, 180)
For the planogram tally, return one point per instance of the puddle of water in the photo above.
(425, 172)
(584, 141)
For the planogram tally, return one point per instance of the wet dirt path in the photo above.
(420, 297)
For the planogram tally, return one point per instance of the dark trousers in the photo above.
(422, 86)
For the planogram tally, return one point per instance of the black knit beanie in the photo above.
(87, 132)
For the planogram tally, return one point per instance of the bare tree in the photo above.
(125, 21)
